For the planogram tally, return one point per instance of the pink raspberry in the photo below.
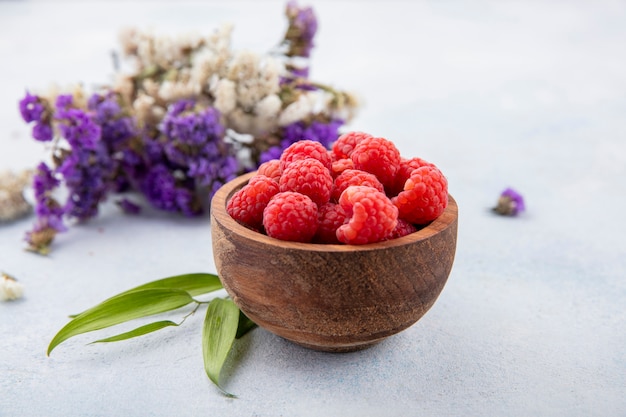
(330, 216)
(246, 205)
(341, 165)
(372, 216)
(403, 228)
(270, 169)
(305, 149)
(377, 156)
(354, 177)
(290, 216)
(407, 166)
(425, 196)
(344, 145)
(308, 177)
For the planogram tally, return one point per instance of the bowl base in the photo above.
(337, 349)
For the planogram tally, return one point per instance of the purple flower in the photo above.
(128, 206)
(49, 211)
(78, 128)
(31, 108)
(64, 101)
(167, 193)
(44, 181)
(195, 143)
(510, 203)
(115, 126)
(42, 132)
(323, 130)
(273, 152)
(301, 31)
(88, 177)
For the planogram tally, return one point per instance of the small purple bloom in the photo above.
(31, 108)
(273, 152)
(128, 206)
(78, 128)
(64, 101)
(301, 31)
(510, 203)
(159, 187)
(42, 132)
(44, 180)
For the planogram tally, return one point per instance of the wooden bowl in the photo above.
(334, 298)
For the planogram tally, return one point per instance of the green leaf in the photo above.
(122, 308)
(244, 326)
(194, 284)
(139, 331)
(220, 329)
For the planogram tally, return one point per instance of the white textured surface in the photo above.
(532, 320)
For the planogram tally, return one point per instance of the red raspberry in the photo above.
(330, 216)
(270, 169)
(354, 177)
(425, 196)
(308, 177)
(247, 205)
(344, 145)
(305, 149)
(290, 216)
(372, 216)
(341, 165)
(403, 228)
(378, 156)
(407, 166)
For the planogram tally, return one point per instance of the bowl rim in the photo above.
(219, 213)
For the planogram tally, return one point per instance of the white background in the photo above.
(524, 94)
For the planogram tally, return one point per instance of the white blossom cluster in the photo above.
(13, 205)
(244, 86)
(10, 289)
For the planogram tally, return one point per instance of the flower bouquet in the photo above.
(189, 115)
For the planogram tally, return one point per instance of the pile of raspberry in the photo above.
(360, 191)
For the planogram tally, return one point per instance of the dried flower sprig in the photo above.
(189, 115)
(13, 205)
(10, 288)
(510, 203)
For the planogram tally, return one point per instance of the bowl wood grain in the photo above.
(331, 297)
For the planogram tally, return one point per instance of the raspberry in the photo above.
(246, 205)
(344, 145)
(403, 228)
(305, 149)
(407, 166)
(330, 216)
(354, 177)
(290, 216)
(425, 196)
(341, 165)
(372, 216)
(377, 156)
(270, 169)
(308, 177)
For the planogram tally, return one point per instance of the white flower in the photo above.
(10, 289)
(298, 110)
(241, 122)
(268, 107)
(13, 205)
(176, 90)
(225, 97)
(144, 106)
